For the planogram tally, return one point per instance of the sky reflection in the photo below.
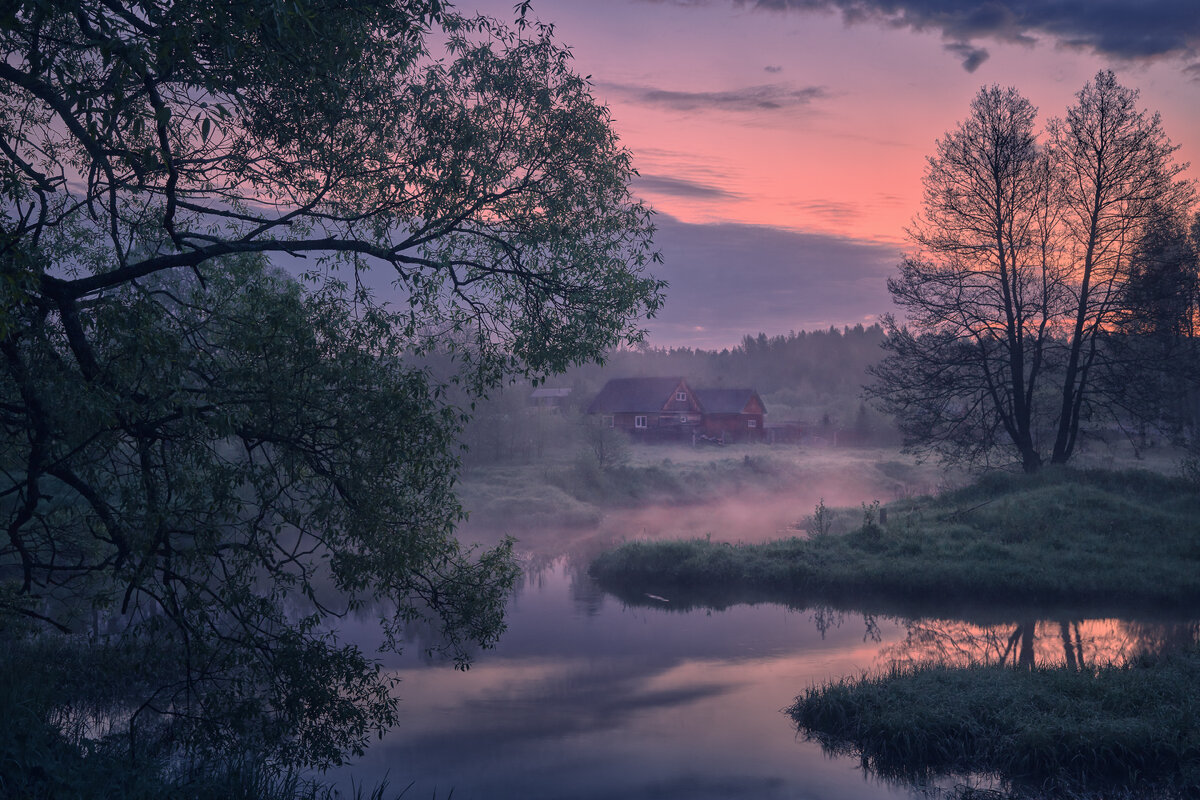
(609, 700)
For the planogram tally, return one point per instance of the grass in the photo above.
(1118, 731)
(1112, 540)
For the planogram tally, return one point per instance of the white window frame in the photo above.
(639, 421)
(683, 418)
(751, 423)
(681, 397)
(608, 421)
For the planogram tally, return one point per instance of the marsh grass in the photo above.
(1116, 540)
(1047, 732)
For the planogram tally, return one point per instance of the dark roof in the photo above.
(724, 401)
(633, 394)
(545, 392)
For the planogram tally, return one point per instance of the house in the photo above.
(659, 409)
(548, 399)
(651, 408)
(731, 414)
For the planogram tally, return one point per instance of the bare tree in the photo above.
(1017, 302)
(981, 292)
(1117, 174)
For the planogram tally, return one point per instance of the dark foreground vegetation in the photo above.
(76, 728)
(1117, 540)
(1118, 731)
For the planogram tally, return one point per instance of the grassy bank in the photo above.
(1123, 539)
(1117, 732)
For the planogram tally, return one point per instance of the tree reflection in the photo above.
(1075, 644)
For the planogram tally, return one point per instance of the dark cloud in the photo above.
(728, 280)
(680, 187)
(1122, 29)
(773, 68)
(971, 55)
(768, 97)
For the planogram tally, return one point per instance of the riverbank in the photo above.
(1119, 731)
(1095, 537)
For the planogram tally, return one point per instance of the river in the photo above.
(590, 697)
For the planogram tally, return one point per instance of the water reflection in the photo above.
(1077, 729)
(1077, 644)
(587, 696)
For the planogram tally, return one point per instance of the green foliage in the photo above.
(821, 521)
(252, 453)
(607, 447)
(210, 456)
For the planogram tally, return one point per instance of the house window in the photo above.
(683, 417)
(639, 422)
(751, 423)
(607, 421)
(681, 397)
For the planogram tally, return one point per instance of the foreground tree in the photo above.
(1025, 256)
(222, 459)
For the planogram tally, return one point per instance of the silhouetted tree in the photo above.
(981, 292)
(1151, 365)
(1117, 176)
(1024, 263)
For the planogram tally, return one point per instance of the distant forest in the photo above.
(812, 377)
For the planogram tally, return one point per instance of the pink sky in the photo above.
(786, 147)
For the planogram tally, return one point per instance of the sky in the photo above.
(782, 143)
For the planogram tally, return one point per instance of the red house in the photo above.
(659, 409)
(732, 414)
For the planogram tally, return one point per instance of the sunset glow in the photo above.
(800, 125)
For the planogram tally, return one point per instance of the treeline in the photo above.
(815, 378)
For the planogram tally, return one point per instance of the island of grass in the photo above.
(1127, 540)
(1120, 731)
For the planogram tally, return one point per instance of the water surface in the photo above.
(587, 697)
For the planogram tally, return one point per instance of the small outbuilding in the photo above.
(547, 398)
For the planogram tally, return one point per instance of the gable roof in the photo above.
(634, 394)
(726, 401)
